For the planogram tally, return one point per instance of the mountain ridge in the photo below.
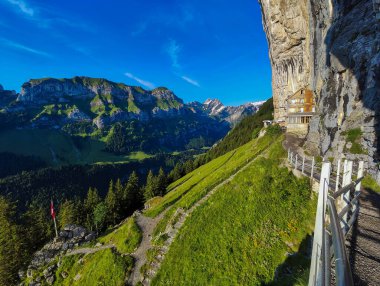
(107, 102)
(123, 118)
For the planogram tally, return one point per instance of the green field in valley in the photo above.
(58, 148)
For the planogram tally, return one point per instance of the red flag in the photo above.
(52, 212)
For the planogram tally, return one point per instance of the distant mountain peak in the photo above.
(213, 101)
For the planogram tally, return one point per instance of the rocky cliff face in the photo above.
(333, 48)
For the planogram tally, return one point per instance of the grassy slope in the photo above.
(243, 232)
(192, 187)
(57, 148)
(369, 183)
(104, 267)
(125, 238)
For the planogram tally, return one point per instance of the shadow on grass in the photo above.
(295, 269)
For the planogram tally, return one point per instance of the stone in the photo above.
(29, 273)
(50, 280)
(64, 274)
(21, 274)
(77, 277)
(90, 236)
(47, 272)
(79, 232)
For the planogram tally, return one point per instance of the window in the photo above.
(305, 119)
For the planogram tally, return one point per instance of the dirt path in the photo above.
(89, 250)
(147, 226)
(363, 243)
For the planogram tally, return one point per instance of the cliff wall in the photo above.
(333, 48)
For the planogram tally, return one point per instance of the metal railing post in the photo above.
(345, 198)
(317, 266)
(303, 165)
(360, 174)
(337, 176)
(358, 186)
(296, 161)
(312, 168)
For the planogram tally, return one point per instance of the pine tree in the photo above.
(188, 166)
(12, 246)
(161, 182)
(111, 203)
(177, 172)
(90, 203)
(119, 193)
(100, 216)
(70, 212)
(38, 225)
(132, 193)
(150, 187)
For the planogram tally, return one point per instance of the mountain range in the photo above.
(125, 118)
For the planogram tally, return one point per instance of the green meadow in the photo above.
(58, 148)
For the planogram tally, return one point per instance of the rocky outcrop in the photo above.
(332, 48)
(69, 237)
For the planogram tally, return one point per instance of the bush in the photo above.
(274, 130)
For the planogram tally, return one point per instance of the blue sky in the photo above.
(198, 48)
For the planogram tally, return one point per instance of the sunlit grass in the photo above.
(126, 237)
(242, 233)
(105, 267)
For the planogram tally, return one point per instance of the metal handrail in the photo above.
(331, 238)
(342, 265)
(347, 188)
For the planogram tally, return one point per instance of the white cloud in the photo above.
(140, 81)
(21, 47)
(191, 81)
(23, 7)
(173, 50)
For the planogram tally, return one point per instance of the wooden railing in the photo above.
(337, 211)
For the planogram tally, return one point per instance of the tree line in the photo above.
(22, 234)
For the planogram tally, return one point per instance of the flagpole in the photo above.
(55, 226)
(52, 212)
